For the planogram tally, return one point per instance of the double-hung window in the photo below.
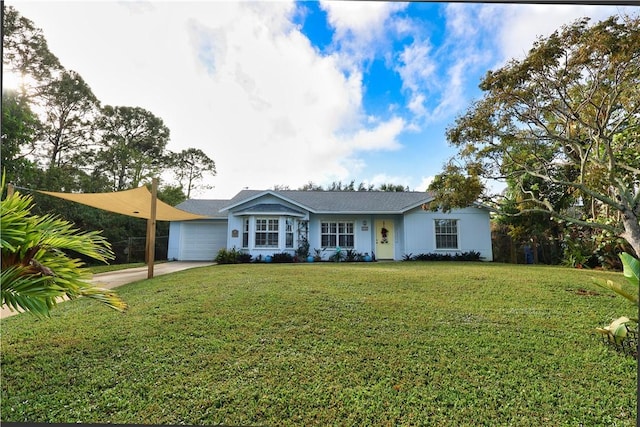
(446, 234)
(245, 233)
(267, 232)
(337, 233)
(288, 232)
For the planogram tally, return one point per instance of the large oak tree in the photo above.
(18, 130)
(132, 145)
(562, 127)
(190, 166)
(70, 109)
(26, 53)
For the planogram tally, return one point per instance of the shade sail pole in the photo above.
(151, 230)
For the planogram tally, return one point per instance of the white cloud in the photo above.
(417, 65)
(382, 137)
(417, 69)
(517, 26)
(461, 20)
(363, 19)
(454, 96)
(425, 181)
(236, 80)
(416, 104)
(527, 22)
(485, 36)
(360, 29)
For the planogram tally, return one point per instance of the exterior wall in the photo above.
(400, 238)
(235, 223)
(364, 234)
(235, 231)
(363, 230)
(413, 232)
(173, 250)
(474, 231)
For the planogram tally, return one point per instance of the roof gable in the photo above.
(270, 209)
(339, 201)
(246, 196)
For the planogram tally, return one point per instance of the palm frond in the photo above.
(37, 271)
(631, 268)
(22, 290)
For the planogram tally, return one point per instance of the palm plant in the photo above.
(618, 331)
(631, 271)
(37, 272)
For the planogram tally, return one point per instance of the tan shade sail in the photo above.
(136, 203)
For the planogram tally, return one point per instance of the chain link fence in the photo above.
(134, 248)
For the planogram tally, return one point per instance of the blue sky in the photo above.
(282, 93)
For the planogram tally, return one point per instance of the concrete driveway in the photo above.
(117, 278)
(113, 279)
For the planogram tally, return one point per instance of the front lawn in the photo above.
(443, 344)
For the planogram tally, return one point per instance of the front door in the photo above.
(384, 239)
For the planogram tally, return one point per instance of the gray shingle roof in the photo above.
(272, 208)
(328, 202)
(345, 201)
(208, 207)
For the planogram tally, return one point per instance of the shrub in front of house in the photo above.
(281, 257)
(232, 256)
(337, 256)
(352, 255)
(458, 256)
(349, 255)
(244, 258)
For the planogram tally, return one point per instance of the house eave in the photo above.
(415, 205)
(357, 212)
(269, 213)
(262, 194)
(480, 205)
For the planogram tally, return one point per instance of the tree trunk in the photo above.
(631, 232)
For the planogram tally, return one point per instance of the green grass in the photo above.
(446, 344)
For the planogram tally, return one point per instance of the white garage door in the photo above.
(201, 241)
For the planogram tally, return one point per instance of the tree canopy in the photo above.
(191, 165)
(351, 186)
(559, 127)
(19, 126)
(132, 145)
(25, 51)
(57, 136)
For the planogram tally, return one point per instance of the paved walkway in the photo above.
(117, 278)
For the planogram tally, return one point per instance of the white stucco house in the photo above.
(387, 225)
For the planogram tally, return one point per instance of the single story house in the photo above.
(387, 225)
